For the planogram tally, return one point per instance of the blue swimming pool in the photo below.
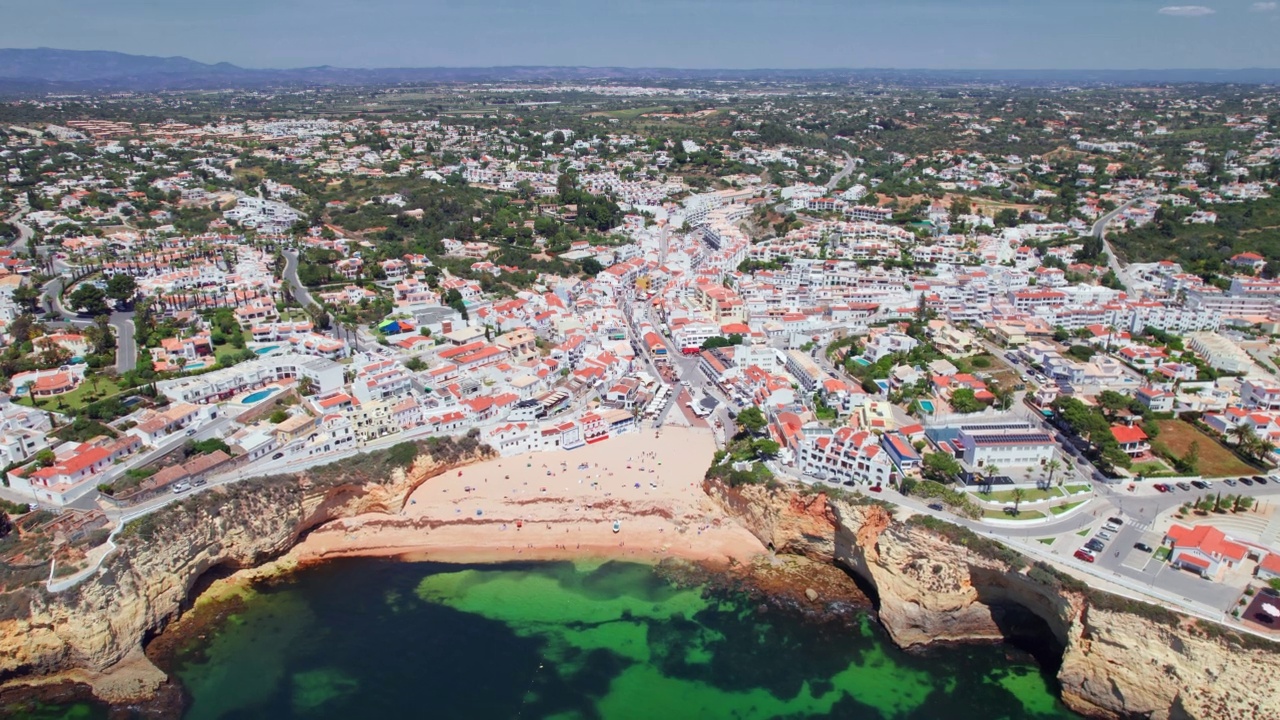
(194, 366)
(862, 361)
(257, 396)
(265, 350)
(927, 406)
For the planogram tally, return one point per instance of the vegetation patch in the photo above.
(964, 537)
(1215, 460)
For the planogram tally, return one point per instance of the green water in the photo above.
(382, 639)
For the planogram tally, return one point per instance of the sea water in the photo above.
(386, 639)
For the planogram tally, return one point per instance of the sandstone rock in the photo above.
(811, 594)
(94, 631)
(1116, 663)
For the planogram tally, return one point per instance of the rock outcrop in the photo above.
(93, 633)
(938, 582)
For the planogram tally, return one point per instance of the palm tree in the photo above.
(1018, 496)
(1053, 466)
(990, 472)
(1264, 448)
(1246, 439)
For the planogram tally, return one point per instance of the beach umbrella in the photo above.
(1271, 610)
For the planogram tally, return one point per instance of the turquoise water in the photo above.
(926, 405)
(862, 361)
(256, 397)
(359, 639)
(267, 349)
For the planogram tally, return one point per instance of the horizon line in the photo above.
(668, 67)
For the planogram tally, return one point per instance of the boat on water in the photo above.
(617, 526)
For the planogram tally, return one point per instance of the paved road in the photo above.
(126, 346)
(785, 207)
(1100, 232)
(23, 241)
(844, 173)
(122, 322)
(300, 292)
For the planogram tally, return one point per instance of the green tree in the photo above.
(989, 474)
(278, 416)
(1018, 496)
(89, 299)
(591, 266)
(122, 288)
(963, 400)
(1007, 217)
(765, 449)
(27, 297)
(1053, 466)
(941, 467)
(752, 420)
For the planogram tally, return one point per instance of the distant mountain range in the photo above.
(44, 70)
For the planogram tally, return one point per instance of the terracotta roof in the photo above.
(1207, 539)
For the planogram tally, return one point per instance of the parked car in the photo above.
(875, 488)
(199, 482)
(1260, 480)
(1142, 546)
(1115, 520)
(1161, 487)
(1200, 484)
(1095, 545)
(277, 456)
(181, 488)
(1230, 482)
(1084, 555)
(1183, 486)
(1103, 534)
(1246, 481)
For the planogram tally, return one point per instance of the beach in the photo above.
(636, 497)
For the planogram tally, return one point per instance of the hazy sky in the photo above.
(671, 33)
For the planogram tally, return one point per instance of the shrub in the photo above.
(967, 538)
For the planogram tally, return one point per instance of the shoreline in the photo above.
(560, 505)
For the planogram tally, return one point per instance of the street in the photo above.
(1100, 232)
(300, 292)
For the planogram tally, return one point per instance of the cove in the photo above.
(369, 638)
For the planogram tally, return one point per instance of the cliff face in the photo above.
(86, 633)
(1120, 659)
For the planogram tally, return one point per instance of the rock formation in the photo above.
(93, 633)
(939, 582)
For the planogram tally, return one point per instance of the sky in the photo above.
(947, 34)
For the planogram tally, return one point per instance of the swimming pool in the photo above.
(862, 361)
(194, 366)
(256, 397)
(267, 349)
(927, 406)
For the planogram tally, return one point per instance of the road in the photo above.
(785, 207)
(300, 292)
(1100, 232)
(844, 173)
(23, 241)
(122, 322)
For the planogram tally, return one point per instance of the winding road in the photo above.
(126, 346)
(1100, 232)
(300, 292)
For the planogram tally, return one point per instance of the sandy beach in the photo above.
(555, 506)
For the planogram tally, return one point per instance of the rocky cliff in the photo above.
(937, 582)
(93, 633)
